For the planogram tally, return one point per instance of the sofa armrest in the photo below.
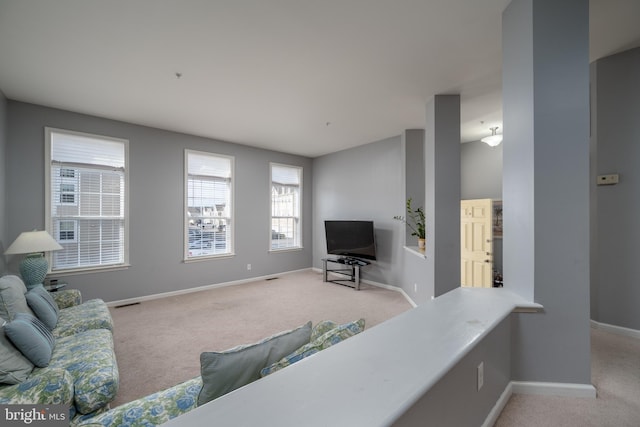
(52, 386)
(155, 409)
(67, 298)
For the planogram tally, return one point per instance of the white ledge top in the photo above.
(416, 251)
(372, 378)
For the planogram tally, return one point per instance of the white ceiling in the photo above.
(308, 77)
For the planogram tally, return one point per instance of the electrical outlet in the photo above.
(248, 266)
(480, 375)
(611, 179)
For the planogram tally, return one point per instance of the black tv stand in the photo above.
(352, 271)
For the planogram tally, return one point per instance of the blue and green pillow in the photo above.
(223, 372)
(31, 337)
(14, 367)
(323, 341)
(43, 305)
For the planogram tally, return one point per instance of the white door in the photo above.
(476, 243)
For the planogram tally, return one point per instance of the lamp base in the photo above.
(33, 269)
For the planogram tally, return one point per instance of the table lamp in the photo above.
(34, 266)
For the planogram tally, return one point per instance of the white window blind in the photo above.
(208, 205)
(87, 198)
(286, 191)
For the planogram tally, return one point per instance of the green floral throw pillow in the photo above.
(324, 341)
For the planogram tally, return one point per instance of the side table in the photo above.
(55, 287)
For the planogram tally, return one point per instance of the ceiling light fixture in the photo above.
(494, 139)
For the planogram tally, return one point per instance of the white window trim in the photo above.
(48, 220)
(301, 243)
(185, 207)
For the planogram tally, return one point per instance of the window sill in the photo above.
(208, 258)
(296, 249)
(416, 251)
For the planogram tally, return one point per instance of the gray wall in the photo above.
(156, 204)
(415, 268)
(517, 171)
(480, 171)
(617, 130)
(415, 281)
(364, 183)
(414, 174)
(593, 192)
(4, 244)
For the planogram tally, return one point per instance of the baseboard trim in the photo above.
(554, 389)
(199, 288)
(499, 406)
(391, 288)
(408, 298)
(618, 330)
(539, 388)
(381, 285)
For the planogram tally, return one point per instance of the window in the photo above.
(208, 205)
(67, 173)
(286, 193)
(67, 193)
(86, 199)
(67, 231)
(67, 189)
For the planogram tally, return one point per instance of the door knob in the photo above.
(487, 260)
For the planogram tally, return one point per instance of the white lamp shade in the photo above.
(30, 242)
(492, 140)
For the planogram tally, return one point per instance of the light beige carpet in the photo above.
(158, 343)
(615, 372)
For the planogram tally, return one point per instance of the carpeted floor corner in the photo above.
(615, 372)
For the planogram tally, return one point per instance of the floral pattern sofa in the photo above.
(162, 406)
(82, 371)
(151, 410)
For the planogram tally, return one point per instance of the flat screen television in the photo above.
(351, 239)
